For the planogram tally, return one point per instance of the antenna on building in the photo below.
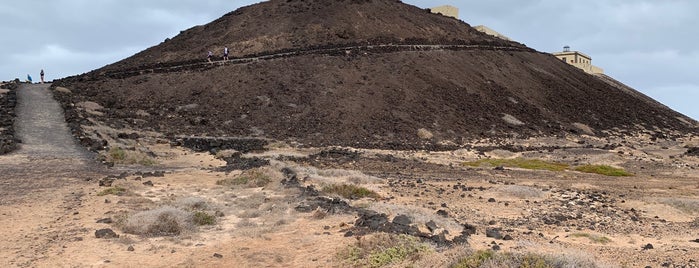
(566, 49)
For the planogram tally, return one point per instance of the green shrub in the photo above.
(383, 249)
(350, 191)
(250, 178)
(603, 170)
(116, 190)
(534, 164)
(203, 218)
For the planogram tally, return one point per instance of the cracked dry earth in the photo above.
(50, 207)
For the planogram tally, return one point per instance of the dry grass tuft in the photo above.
(163, 221)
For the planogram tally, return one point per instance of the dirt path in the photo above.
(41, 184)
(48, 155)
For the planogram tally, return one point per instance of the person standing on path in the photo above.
(42, 75)
(209, 56)
(225, 53)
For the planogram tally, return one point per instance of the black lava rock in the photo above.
(493, 232)
(106, 233)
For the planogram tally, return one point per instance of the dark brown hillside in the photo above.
(282, 25)
(363, 97)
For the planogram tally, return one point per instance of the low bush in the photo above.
(350, 191)
(381, 249)
(534, 164)
(603, 170)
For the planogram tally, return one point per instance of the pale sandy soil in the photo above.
(55, 226)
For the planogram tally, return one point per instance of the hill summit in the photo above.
(362, 73)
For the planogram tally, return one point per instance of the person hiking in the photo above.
(29, 78)
(209, 56)
(225, 53)
(42, 75)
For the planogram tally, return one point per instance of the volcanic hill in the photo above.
(361, 73)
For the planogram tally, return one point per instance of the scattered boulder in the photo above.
(106, 233)
(494, 233)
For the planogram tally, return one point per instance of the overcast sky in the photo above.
(650, 45)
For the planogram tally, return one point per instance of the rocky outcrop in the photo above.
(8, 102)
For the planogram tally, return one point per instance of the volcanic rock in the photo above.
(106, 233)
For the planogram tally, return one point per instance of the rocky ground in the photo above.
(8, 101)
(291, 220)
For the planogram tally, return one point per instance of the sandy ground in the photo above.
(258, 227)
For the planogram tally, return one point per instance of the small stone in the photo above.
(130, 248)
(106, 233)
(219, 213)
(218, 255)
(105, 220)
(496, 247)
(648, 246)
(491, 200)
(106, 201)
(443, 213)
(493, 232)
(402, 220)
(507, 237)
(431, 225)
(148, 183)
